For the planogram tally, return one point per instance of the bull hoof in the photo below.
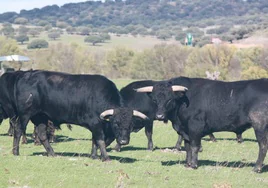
(187, 165)
(194, 166)
(94, 157)
(257, 169)
(106, 159)
(51, 155)
(52, 140)
(240, 141)
(118, 149)
(16, 153)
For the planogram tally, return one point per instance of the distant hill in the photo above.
(151, 17)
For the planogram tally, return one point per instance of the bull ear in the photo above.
(139, 114)
(106, 113)
(179, 88)
(144, 89)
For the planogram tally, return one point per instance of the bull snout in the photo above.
(123, 142)
(160, 117)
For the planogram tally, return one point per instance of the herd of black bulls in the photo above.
(196, 107)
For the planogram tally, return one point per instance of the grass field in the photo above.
(222, 164)
(138, 43)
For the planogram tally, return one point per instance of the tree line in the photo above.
(163, 61)
(161, 18)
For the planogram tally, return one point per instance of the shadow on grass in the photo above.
(71, 154)
(123, 159)
(134, 148)
(230, 139)
(63, 154)
(171, 148)
(127, 148)
(5, 134)
(58, 139)
(231, 164)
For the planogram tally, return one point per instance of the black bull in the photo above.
(213, 106)
(85, 100)
(136, 99)
(8, 106)
(144, 104)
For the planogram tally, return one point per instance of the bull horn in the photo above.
(179, 88)
(106, 113)
(139, 114)
(144, 89)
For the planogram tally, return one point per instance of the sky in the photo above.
(17, 5)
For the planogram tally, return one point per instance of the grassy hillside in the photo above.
(164, 19)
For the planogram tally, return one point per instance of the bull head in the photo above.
(165, 97)
(110, 112)
(121, 121)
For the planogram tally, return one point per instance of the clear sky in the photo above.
(17, 5)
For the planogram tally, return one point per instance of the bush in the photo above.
(22, 38)
(38, 43)
(54, 35)
(93, 39)
(105, 36)
(21, 21)
(34, 32)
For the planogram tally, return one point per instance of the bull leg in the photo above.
(188, 153)
(51, 132)
(262, 138)
(94, 149)
(178, 144)
(176, 127)
(239, 138)
(42, 134)
(104, 154)
(37, 141)
(19, 129)
(11, 128)
(149, 132)
(34, 132)
(98, 137)
(117, 147)
(212, 137)
(195, 147)
(16, 139)
(24, 138)
(51, 136)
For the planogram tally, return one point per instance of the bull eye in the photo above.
(154, 101)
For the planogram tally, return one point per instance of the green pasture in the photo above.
(138, 43)
(222, 164)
